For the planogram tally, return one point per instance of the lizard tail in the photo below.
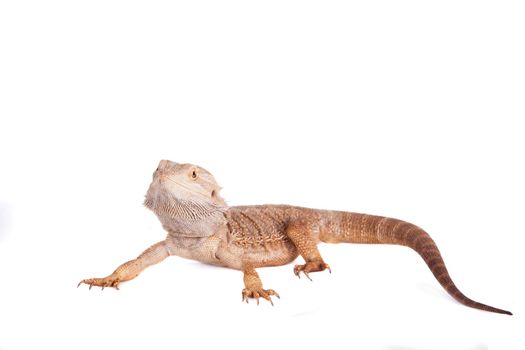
(362, 228)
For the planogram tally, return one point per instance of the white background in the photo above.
(409, 109)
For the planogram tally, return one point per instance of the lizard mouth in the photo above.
(187, 189)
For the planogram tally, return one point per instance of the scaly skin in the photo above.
(202, 227)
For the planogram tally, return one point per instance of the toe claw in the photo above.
(272, 292)
(256, 294)
(109, 281)
(311, 266)
(297, 270)
(307, 275)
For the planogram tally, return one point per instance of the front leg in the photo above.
(131, 269)
(254, 288)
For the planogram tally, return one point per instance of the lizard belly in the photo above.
(276, 255)
(237, 257)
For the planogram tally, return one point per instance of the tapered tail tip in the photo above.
(500, 311)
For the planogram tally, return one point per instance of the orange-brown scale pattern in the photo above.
(202, 227)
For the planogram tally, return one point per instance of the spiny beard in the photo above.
(177, 208)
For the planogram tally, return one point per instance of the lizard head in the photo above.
(183, 192)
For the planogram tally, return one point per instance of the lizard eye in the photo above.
(193, 174)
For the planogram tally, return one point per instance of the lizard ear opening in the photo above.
(217, 199)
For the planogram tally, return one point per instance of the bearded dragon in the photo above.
(200, 226)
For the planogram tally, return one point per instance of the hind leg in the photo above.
(307, 247)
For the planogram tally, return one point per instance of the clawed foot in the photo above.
(259, 293)
(109, 281)
(311, 266)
